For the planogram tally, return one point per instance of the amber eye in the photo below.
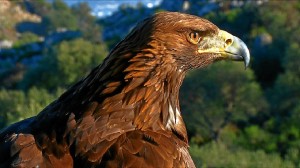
(194, 37)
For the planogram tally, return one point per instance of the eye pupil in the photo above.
(194, 37)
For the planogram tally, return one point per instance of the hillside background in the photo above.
(235, 117)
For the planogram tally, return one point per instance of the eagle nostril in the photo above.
(228, 42)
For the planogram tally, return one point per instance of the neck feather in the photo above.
(143, 84)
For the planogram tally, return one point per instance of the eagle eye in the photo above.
(194, 37)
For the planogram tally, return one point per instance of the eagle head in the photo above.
(192, 42)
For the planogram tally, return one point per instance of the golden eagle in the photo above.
(126, 112)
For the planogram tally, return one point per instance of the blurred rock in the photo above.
(10, 15)
(16, 12)
(6, 44)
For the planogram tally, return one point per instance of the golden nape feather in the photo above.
(126, 112)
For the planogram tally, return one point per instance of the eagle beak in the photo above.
(225, 46)
(234, 48)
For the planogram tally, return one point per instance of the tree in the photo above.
(17, 105)
(60, 17)
(64, 64)
(285, 100)
(39, 7)
(219, 154)
(87, 23)
(220, 95)
(26, 38)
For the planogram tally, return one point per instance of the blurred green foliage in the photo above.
(218, 154)
(64, 64)
(26, 38)
(234, 117)
(60, 17)
(229, 94)
(17, 105)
